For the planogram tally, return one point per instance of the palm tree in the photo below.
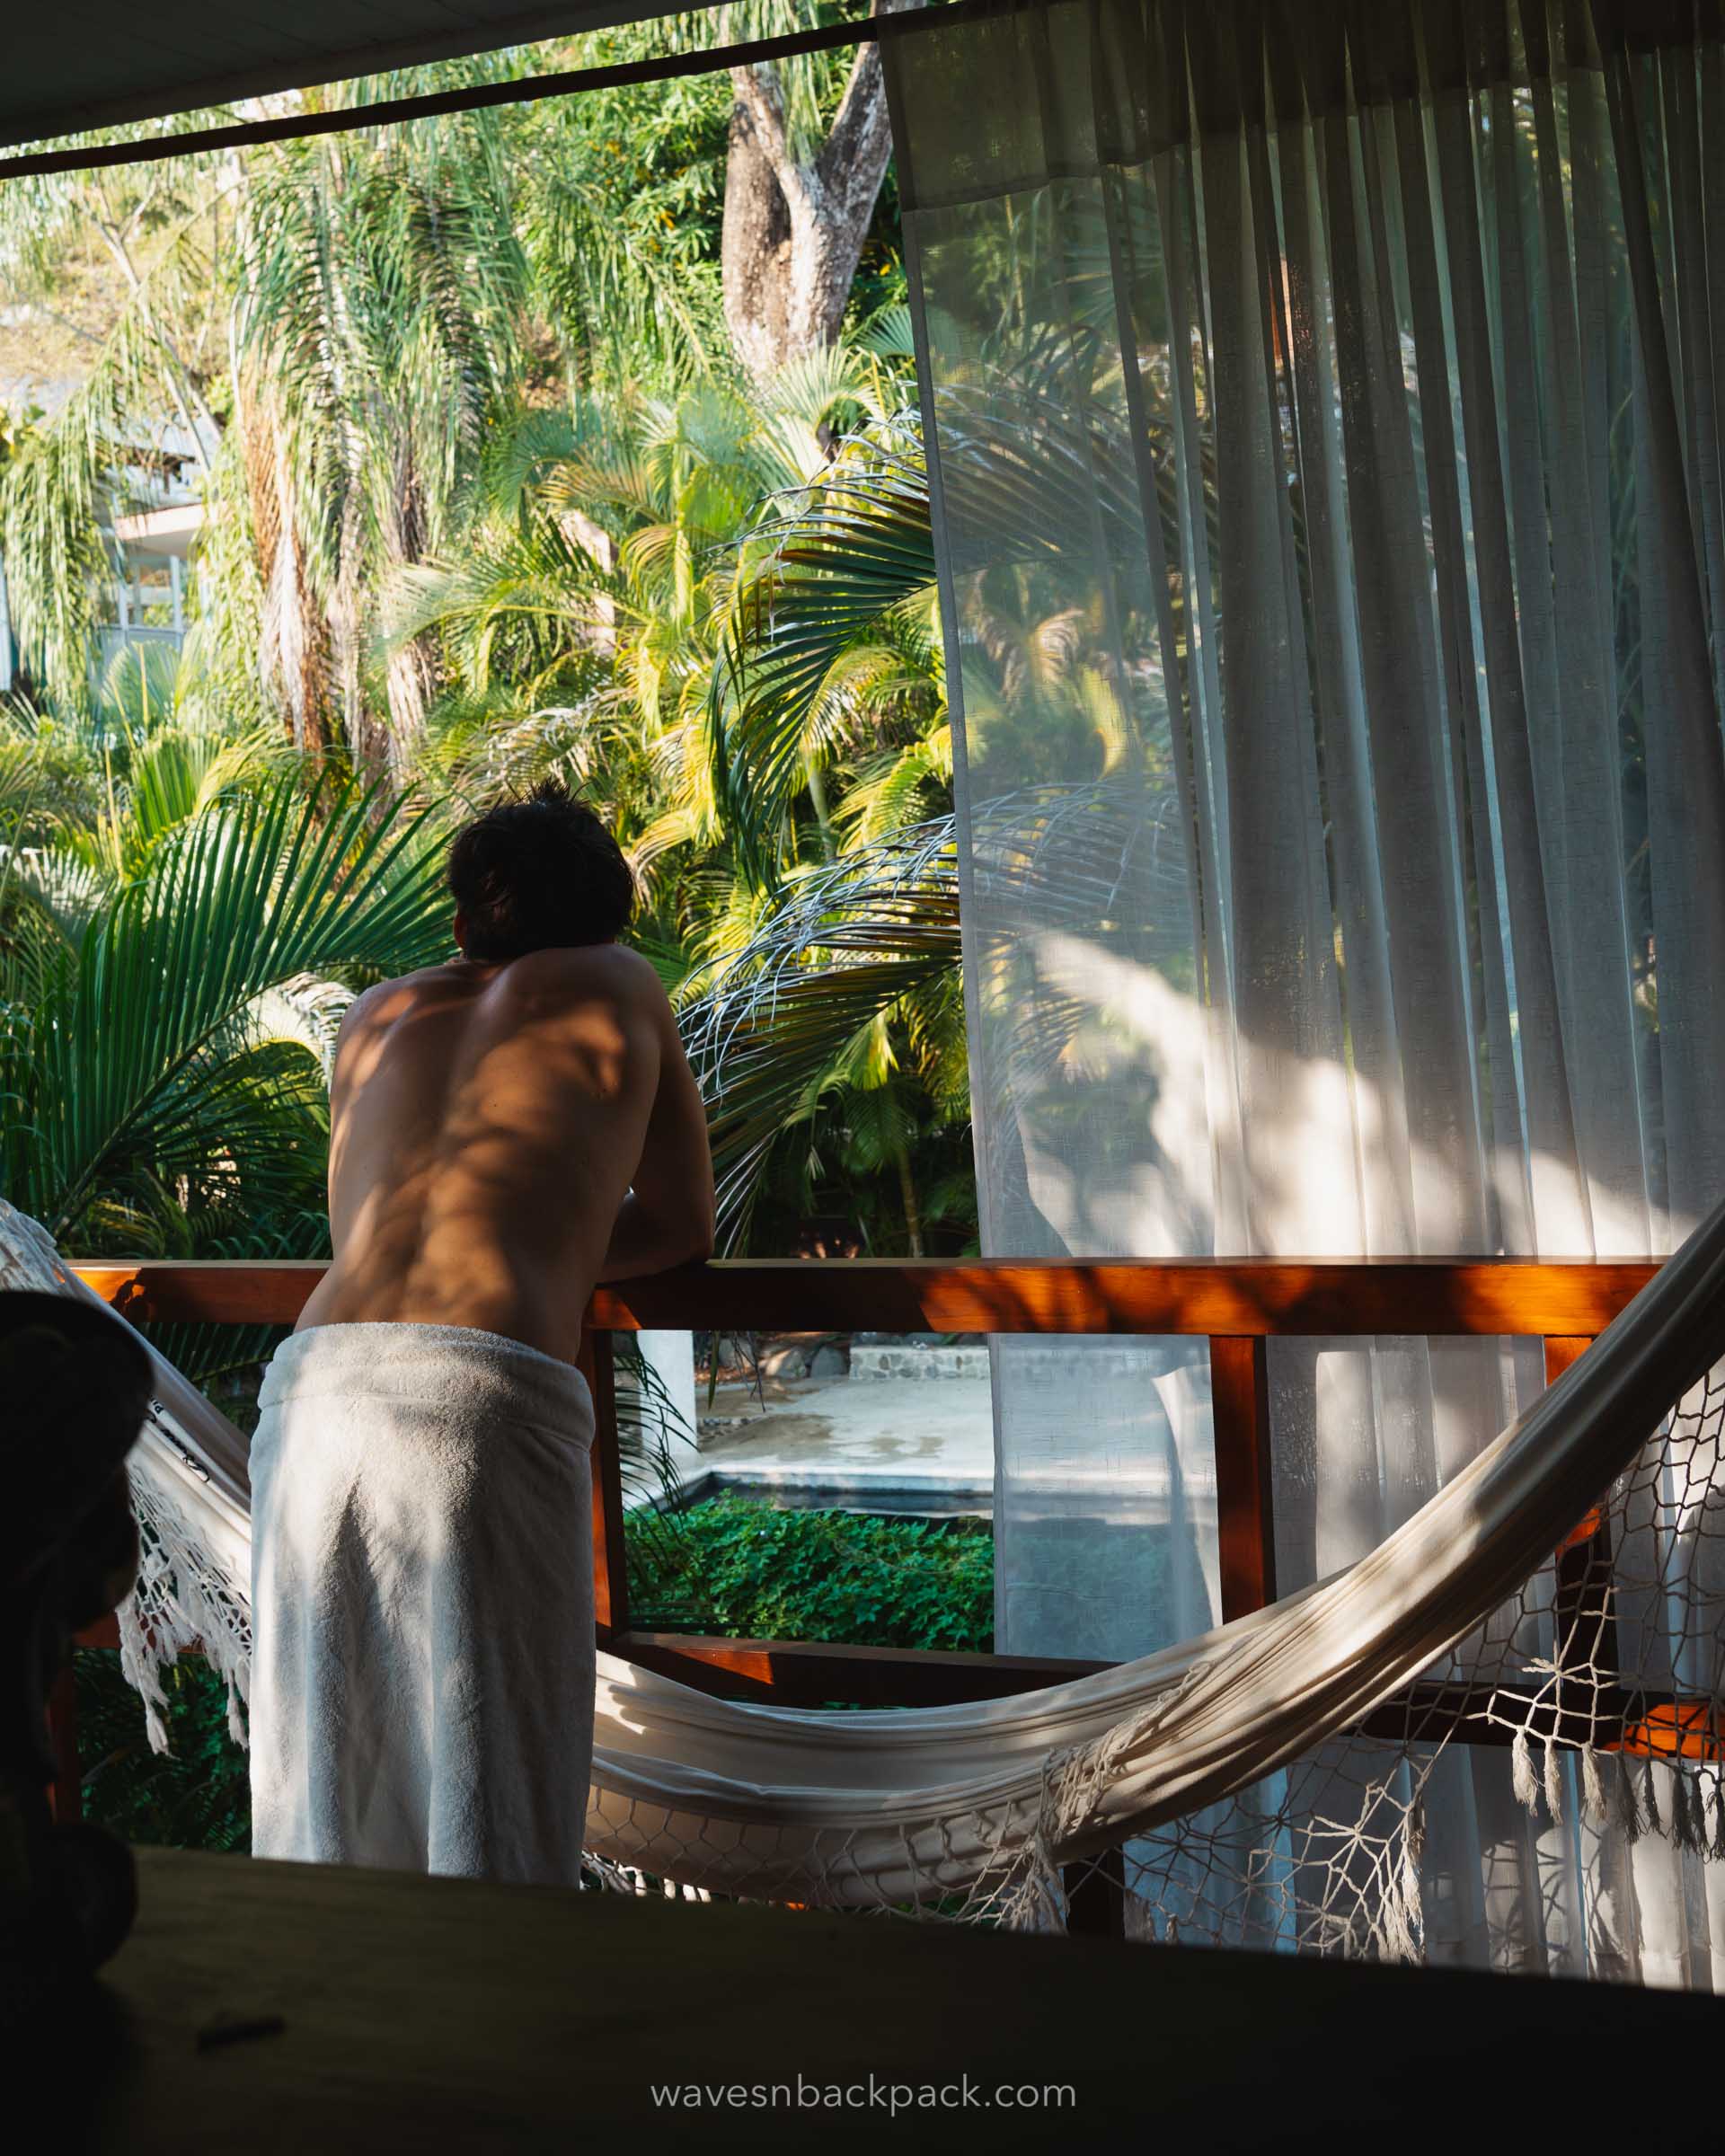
(640, 589)
(580, 615)
(830, 1035)
(379, 325)
(717, 613)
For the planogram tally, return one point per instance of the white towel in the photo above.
(422, 1603)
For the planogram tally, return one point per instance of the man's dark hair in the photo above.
(536, 873)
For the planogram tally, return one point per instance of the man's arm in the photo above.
(668, 1218)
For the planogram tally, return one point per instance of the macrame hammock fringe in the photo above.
(1232, 1770)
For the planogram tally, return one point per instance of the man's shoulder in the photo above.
(387, 998)
(582, 970)
(371, 1003)
(373, 1012)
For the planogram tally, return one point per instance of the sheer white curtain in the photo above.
(1323, 411)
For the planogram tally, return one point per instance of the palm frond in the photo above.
(304, 1012)
(841, 949)
(854, 548)
(252, 894)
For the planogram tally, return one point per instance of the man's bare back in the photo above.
(503, 1137)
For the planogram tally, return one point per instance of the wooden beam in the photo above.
(1254, 1299)
(1219, 1295)
(433, 2013)
(791, 1673)
(224, 1290)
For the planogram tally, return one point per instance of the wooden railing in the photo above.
(1237, 1306)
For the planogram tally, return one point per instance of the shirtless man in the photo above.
(506, 1130)
(510, 1128)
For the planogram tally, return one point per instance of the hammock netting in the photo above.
(1265, 1785)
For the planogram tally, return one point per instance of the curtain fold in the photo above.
(1322, 407)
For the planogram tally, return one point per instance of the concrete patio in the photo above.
(881, 1444)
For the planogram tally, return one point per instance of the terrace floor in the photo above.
(282, 2008)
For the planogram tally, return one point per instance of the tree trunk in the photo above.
(908, 1197)
(411, 671)
(756, 250)
(793, 230)
(293, 650)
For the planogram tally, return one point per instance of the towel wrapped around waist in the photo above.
(422, 1603)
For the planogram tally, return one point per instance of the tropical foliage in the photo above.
(742, 1569)
(172, 978)
(485, 490)
(197, 1794)
(486, 493)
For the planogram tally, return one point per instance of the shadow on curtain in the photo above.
(1323, 414)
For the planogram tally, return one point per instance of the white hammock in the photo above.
(985, 1808)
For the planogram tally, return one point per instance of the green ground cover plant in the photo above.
(731, 1566)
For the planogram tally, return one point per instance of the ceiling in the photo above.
(78, 64)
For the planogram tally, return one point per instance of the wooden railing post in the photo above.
(1240, 1422)
(1584, 1628)
(1096, 1897)
(610, 1569)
